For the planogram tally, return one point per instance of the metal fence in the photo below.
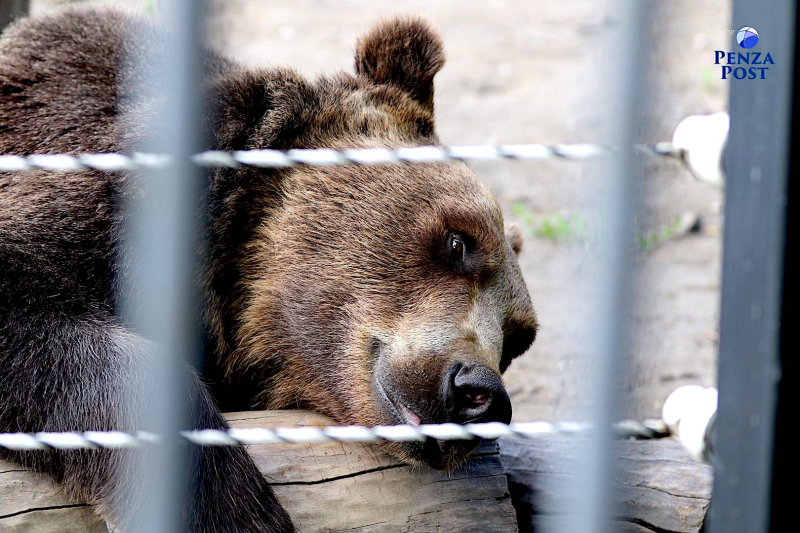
(754, 354)
(755, 367)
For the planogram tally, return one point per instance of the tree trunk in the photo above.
(356, 487)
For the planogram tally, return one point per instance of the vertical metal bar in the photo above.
(783, 477)
(757, 168)
(623, 58)
(10, 10)
(783, 480)
(164, 235)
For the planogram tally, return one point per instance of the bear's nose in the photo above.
(476, 394)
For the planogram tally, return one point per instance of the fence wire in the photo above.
(627, 429)
(687, 414)
(111, 162)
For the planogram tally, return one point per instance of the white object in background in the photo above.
(688, 412)
(701, 140)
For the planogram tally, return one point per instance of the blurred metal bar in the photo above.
(10, 10)
(164, 236)
(623, 59)
(757, 167)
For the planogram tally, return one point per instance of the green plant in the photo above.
(524, 215)
(649, 242)
(709, 82)
(569, 228)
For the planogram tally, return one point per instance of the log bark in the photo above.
(324, 487)
(343, 487)
(355, 487)
(659, 486)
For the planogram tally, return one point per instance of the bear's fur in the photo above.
(361, 292)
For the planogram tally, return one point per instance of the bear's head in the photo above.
(382, 294)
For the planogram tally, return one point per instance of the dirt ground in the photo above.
(522, 72)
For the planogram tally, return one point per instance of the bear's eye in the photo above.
(457, 245)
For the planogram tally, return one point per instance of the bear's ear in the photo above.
(254, 109)
(240, 102)
(514, 236)
(404, 52)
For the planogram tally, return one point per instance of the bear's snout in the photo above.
(476, 394)
(467, 392)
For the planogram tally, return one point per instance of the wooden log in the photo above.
(324, 486)
(339, 486)
(659, 486)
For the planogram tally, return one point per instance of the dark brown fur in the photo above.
(327, 288)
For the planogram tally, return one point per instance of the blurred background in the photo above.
(525, 72)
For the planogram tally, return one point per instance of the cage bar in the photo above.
(756, 202)
(162, 303)
(608, 305)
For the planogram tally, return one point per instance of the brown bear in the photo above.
(372, 294)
